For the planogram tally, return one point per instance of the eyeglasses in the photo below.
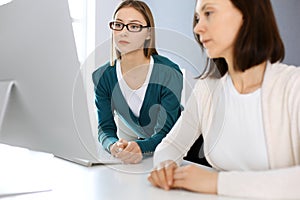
(132, 27)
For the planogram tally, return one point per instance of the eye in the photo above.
(118, 24)
(196, 19)
(134, 26)
(207, 13)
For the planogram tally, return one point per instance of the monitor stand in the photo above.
(5, 89)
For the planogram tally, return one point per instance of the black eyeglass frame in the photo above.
(141, 27)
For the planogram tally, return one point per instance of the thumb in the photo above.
(122, 143)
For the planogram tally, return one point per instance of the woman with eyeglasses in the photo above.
(138, 93)
(246, 104)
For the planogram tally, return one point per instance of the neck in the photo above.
(133, 60)
(249, 80)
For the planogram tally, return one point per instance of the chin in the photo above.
(212, 55)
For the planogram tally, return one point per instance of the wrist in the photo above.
(214, 182)
(110, 147)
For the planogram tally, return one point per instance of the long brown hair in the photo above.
(142, 7)
(258, 39)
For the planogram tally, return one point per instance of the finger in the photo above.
(134, 155)
(120, 146)
(123, 155)
(161, 174)
(133, 159)
(126, 152)
(170, 167)
(123, 141)
(152, 181)
(119, 149)
(129, 147)
(113, 149)
(155, 179)
(128, 158)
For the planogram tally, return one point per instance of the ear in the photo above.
(148, 35)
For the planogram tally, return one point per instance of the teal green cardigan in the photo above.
(160, 109)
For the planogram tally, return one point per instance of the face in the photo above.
(218, 23)
(125, 40)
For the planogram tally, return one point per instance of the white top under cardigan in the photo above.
(280, 101)
(134, 98)
(241, 140)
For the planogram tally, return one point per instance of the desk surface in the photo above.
(65, 180)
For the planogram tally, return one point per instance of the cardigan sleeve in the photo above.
(106, 125)
(170, 107)
(186, 130)
(273, 184)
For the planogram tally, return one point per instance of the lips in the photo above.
(205, 42)
(124, 42)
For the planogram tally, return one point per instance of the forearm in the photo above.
(166, 151)
(182, 136)
(161, 129)
(149, 145)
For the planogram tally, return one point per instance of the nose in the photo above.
(200, 27)
(124, 31)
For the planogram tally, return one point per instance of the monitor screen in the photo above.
(46, 109)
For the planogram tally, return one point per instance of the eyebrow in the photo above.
(131, 21)
(205, 5)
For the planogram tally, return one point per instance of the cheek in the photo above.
(232, 33)
(229, 29)
(226, 37)
(116, 35)
(138, 39)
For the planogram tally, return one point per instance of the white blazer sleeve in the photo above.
(183, 134)
(273, 184)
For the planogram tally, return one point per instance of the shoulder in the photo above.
(166, 62)
(102, 72)
(282, 73)
(209, 84)
(281, 69)
(281, 80)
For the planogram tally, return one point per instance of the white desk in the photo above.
(72, 181)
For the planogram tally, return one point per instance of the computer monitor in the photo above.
(47, 106)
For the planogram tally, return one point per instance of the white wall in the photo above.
(177, 15)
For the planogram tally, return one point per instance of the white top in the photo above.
(134, 98)
(241, 141)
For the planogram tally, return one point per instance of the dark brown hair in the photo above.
(258, 39)
(142, 7)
